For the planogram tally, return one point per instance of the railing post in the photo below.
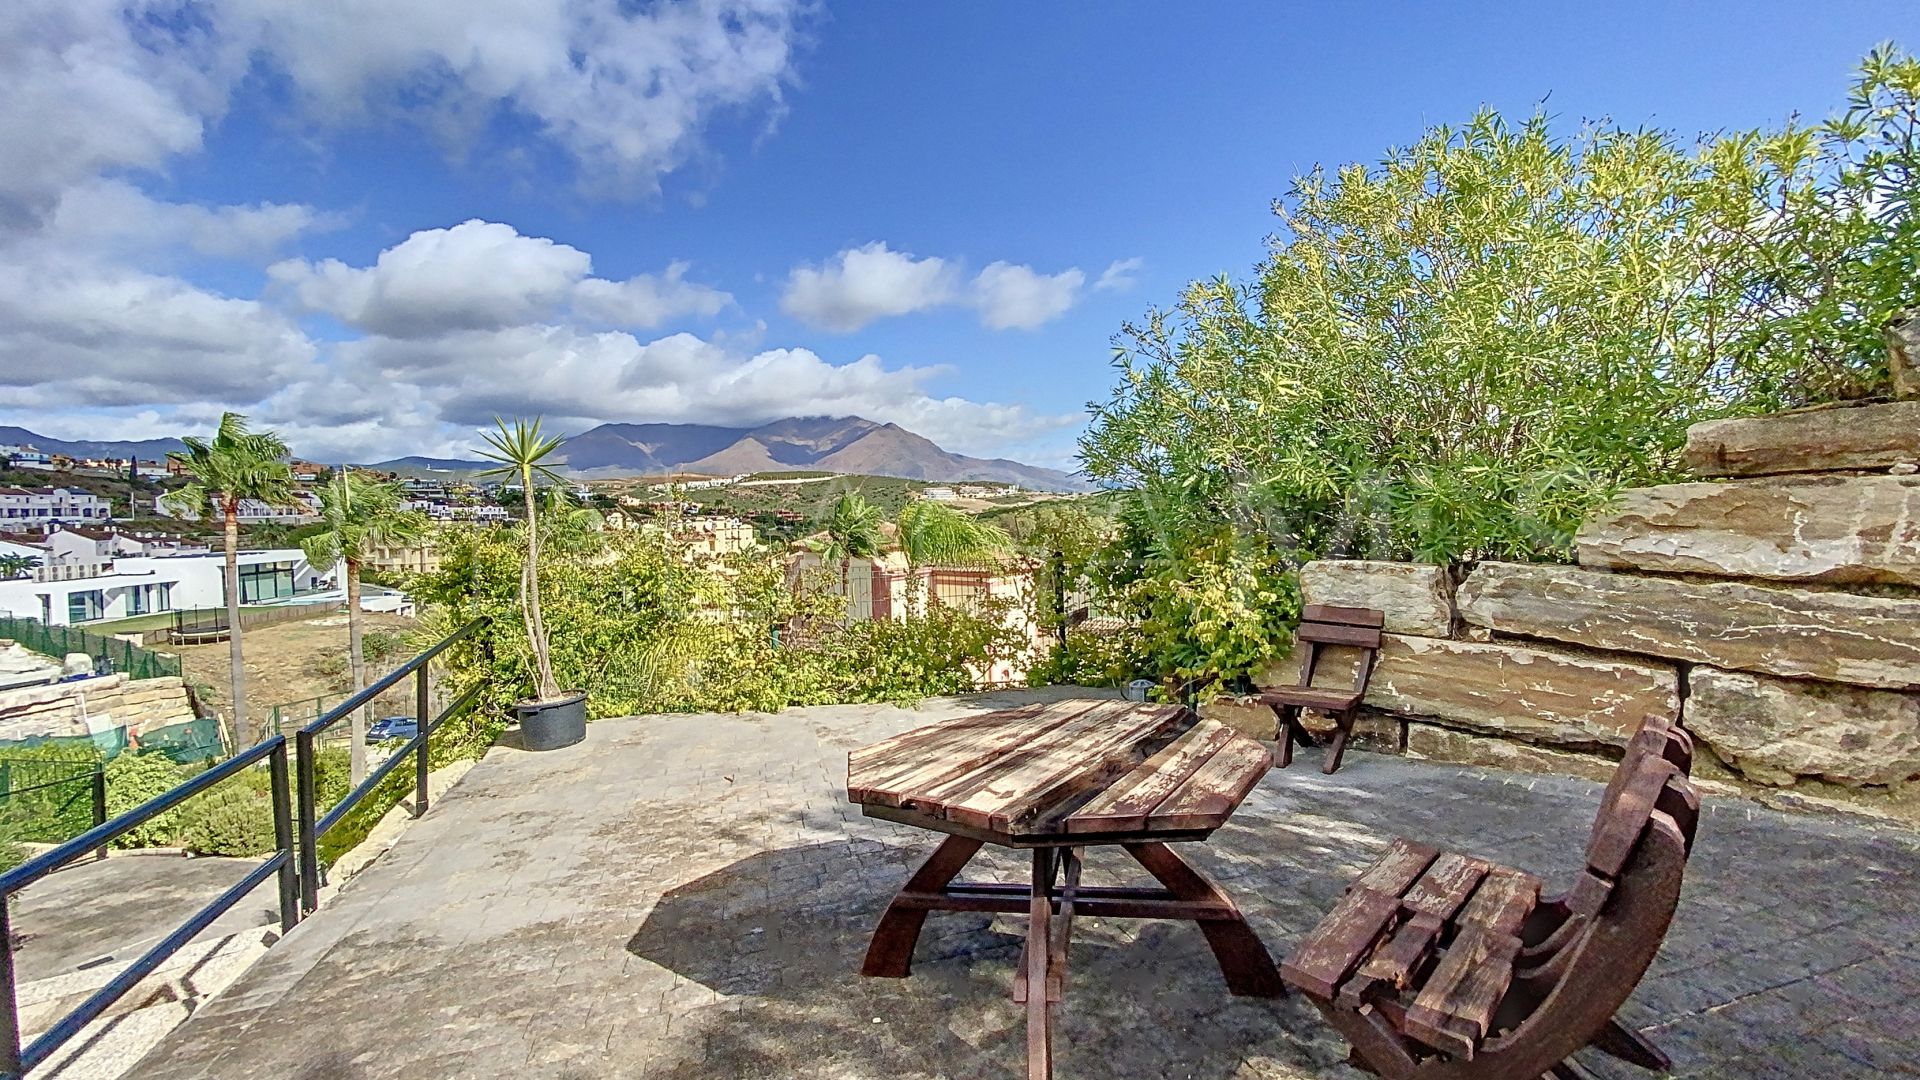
(283, 837)
(10, 1008)
(309, 845)
(100, 802)
(424, 710)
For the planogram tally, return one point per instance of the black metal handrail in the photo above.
(312, 826)
(16, 1059)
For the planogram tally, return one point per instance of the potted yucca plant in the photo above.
(552, 717)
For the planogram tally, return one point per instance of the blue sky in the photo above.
(733, 210)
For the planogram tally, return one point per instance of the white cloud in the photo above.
(646, 300)
(483, 275)
(625, 91)
(1016, 297)
(88, 89)
(115, 217)
(862, 284)
(81, 334)
(474, 276)
(1120, 274)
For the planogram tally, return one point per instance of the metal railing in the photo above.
(312, 825)
(16, 1059)
(295, 858)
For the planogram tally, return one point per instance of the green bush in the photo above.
(1458, 352)
(643, 629)
(235, 818)
(133, 779)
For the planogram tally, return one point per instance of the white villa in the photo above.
(33, 509)
(81, 579)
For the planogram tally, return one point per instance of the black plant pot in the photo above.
(550, 725)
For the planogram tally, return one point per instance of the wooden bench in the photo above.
(1323, 626)
(1441, 965)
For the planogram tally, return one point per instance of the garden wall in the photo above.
(1772, 607)
(92, 705)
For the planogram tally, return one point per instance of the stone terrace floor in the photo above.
(690, 896)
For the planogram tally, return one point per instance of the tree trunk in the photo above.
(545, 688)
(357, 664)
(236, 660)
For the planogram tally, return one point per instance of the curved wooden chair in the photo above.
(1441, 966)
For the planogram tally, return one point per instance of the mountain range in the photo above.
(845, 444)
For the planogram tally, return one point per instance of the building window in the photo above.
(261, 582)
(85, 606)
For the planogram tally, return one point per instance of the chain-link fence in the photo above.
(58, 641)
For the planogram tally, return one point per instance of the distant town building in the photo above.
(421, 558)
(305, 507)
(938, 494)
(24, 509)
(23, 456)
(713, 537)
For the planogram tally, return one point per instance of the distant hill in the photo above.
(845, 444)
(417, 464)
(143, 449)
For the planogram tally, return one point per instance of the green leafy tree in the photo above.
(853, 531)
(235, 465)
(1461, 351)
(935, 534)
(360, 515)
(17, 566)
(522, 450)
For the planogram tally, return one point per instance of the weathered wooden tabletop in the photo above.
(1059, 778)
(1071, 772)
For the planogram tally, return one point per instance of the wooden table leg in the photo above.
(1038, 952)
(890, 954)
(1244, 961)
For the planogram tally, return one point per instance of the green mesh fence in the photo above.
(105, 745)
(191, 743)
(45, 799)
(58, 641)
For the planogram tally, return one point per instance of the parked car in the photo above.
(392, 727)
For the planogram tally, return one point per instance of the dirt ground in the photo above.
(284, 664)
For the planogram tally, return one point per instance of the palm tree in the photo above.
(520, 450)
(236, 464)
(17, 566)
(934, 534)
(360, 514)
(853, 532)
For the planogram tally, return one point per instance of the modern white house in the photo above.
(125, 586)
(32, 509)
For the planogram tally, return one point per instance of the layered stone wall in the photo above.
(92, 705)
(1772, 606)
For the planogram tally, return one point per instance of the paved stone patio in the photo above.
(689, 896)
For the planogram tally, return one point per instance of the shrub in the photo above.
(133, 779)
(1458, 352)
(234, 819)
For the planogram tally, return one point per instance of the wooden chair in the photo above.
(1440, 966)
(1323, 626)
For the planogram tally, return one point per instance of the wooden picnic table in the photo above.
(1055, 779)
